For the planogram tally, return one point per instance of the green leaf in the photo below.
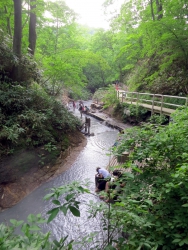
(25, 229)
(137, 170)
(185, 205)
(16, 223)
(64, 209)
(48, 196)
(83, 190)
(109, 247)
(74, 211)
(53, 213)
(146, 244)
(69, 197)
(176, 240)
(31, 218)
(56, 243)
(129, 175)
(121, 204)
(155, 247)
(35, 228)
(149, 202)
(56, 202)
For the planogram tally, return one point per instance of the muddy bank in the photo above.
(18, 182)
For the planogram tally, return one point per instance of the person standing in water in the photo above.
(73, 105)
(80, 109)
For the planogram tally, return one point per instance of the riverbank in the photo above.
(14, 191)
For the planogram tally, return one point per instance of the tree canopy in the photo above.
(145, 47)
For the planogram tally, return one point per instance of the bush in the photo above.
(31, 118)
(154, 203)
(131, 113)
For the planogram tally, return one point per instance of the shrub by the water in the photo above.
(30, 118)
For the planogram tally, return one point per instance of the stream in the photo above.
(84, 167)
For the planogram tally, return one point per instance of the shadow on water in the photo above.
(93, 155)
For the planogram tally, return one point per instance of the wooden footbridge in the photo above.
(156, 103)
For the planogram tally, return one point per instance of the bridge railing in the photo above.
(162, 101)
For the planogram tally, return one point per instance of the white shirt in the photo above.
(104, 172)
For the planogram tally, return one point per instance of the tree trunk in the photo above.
(17, 39)
(32, 27)
(17, 27)
(159, 9)
(8, 22)
(152, 12)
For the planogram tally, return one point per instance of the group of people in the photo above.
(80, 106)
(83, 109)
(103, 182)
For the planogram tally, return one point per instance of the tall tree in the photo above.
(159, 9)
(152, 11)
(32, 27)
(17, 27)
(17, 39)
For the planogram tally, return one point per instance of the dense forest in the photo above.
(45, 54)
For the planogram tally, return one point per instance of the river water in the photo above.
(96, 153)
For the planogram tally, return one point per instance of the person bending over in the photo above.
(101, 178)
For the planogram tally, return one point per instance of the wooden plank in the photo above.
(114, 164)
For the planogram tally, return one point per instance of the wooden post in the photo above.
(161, 106)
(153, 104)
(89, 124)
(137, 98)
(88, 130)
(85, 124)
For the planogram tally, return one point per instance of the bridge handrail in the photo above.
(167, 103)
(124, 95)
(178, 97)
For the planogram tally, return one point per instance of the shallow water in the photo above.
(92, 156)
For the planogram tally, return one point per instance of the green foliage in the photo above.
(50, 147)
(158, 119)
(109, 96)
(154, 203)
(70, 193)
(153, 46)
(31, 237)
(131, 113)
(31, 118)
(77, 93)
